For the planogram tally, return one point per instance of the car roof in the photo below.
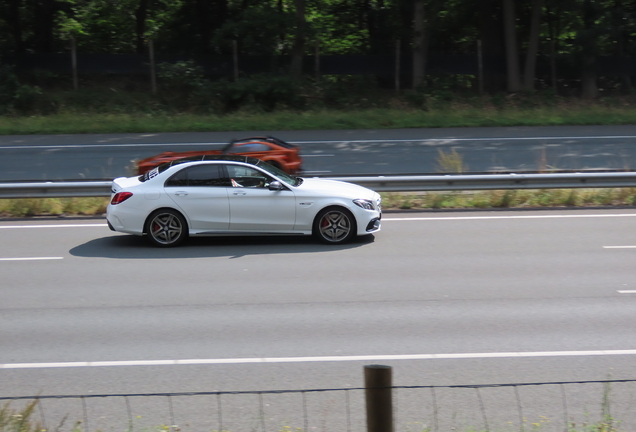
(199, 158)
(224, 158)
(261, 139)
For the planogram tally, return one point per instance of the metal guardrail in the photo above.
(379, 184)
(496, 181)
(55, 189)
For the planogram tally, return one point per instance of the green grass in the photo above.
(518, 199)
(480, 200)
(25, 207)
(18, 421)
(395, 113)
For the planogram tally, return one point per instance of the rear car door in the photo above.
(201, 191)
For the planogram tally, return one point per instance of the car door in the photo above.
(201, 191)
(253, 207)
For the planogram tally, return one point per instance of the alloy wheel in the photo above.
(334, 226)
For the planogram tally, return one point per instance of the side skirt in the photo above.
(245, 234)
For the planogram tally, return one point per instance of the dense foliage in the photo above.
(561, 38)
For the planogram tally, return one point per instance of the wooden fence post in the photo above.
(379, 402)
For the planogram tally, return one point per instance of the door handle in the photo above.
(181, 193)
(239, 193)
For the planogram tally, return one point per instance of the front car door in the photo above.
(255, 208)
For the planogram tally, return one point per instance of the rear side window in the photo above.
(199, 175)
(164, 166)
(251, 147)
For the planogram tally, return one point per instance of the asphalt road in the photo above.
(346, 152)
(524, 297)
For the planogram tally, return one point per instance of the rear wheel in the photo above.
(166, 228)
(334, 225)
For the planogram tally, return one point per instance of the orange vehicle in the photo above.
(277, 152)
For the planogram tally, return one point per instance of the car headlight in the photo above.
(365, 204)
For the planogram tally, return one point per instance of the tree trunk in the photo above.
(16, 25)
(43, 16)
(530, 68)
(512, 52)
(491, 35)
(204, 17)
(418, 44)
(589, 88)
(140, 24)
(298, 48)
(617, 23)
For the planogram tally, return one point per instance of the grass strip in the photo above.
(479, 200)
(450, 116)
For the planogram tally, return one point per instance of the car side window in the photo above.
(251, 147)
(241, 176)
(199, 175)
(179, 179)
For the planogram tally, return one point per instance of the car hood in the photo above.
(335, 187)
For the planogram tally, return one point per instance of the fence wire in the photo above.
(606, 405)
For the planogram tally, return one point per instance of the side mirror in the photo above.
(275, 186)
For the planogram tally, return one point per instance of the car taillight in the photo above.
(120, 197)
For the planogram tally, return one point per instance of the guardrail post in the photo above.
(378, 392)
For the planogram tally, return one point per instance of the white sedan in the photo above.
(238, 195)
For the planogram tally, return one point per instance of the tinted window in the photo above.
(179, 179)
(199, 175)
(251, 147)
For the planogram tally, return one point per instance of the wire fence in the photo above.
(604, 406)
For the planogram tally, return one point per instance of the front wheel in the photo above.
(166, 228)
(334, 225)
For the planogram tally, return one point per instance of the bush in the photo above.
(265, 92)
(13, 95)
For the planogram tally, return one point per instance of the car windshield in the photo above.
(289, 179)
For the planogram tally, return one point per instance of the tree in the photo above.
(512, 52)
(140, 24)
(14, 21)
(298, 48)
(43, 24)
(491, 35)
(533, 47)
(419, 41)
(587, 38)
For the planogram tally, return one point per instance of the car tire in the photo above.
(166, 228)
(334, 225)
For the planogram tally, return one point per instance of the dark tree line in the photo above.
(519, 31)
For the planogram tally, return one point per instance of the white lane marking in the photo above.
(31, 258)
(619, 247)
(101, 225)
(321, 141)
(510, 217)
(627, 291)
(316, 359)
